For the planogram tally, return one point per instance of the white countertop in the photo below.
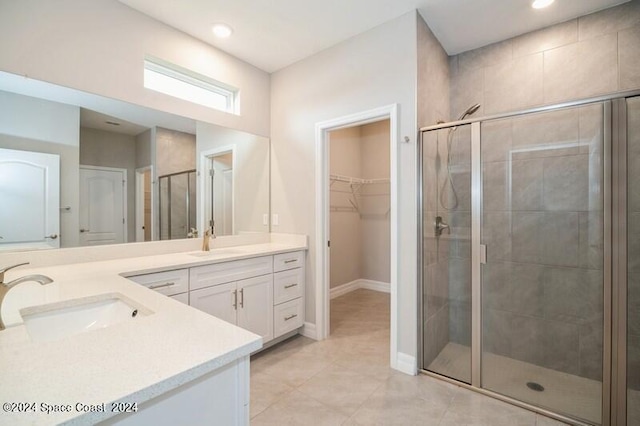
(133, 361)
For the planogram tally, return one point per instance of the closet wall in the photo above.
(359, 212)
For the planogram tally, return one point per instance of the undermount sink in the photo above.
(218, 252)
(46, 323)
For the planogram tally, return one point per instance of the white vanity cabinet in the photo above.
(239, 292)
(246, 303)
(263, 294)
(288, 289)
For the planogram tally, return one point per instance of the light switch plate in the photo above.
(265, 219)
(276, 220)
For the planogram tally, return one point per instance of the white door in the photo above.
(219, 301)
(102, 206)
(255, 305)
(227, 216)
(29, 199)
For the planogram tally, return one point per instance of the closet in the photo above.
(359, 215)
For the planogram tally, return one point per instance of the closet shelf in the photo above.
(356, 180)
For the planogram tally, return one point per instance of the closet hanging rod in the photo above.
(352, 179)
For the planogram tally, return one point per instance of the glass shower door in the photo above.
(446, 245)
(543, 282)
(633, 262)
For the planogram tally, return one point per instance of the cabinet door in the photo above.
(218, 301)
(255, 306)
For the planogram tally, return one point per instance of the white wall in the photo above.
(31, 124)
(371, 70)
(375, 202)
(99, 46)
(38, 119)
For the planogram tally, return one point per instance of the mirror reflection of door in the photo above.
(103, 194)
(221, 175)
(30, 199)
(143, 204)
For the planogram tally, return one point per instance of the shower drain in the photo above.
(535, 386)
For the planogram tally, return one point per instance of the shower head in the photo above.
(469, 111)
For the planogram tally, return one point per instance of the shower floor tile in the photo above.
(564, 393)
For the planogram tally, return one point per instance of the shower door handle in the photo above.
(483, 254)
(440, 226)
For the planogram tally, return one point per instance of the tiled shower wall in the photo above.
(543, 283)
(592, 55)
(433, 105)
(543, 227)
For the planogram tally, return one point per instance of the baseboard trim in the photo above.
(309, 330)
(357, 284)
(406, 364)
(375, 286)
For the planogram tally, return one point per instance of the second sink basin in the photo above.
(46, 323)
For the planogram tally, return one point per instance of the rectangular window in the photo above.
(189, 86)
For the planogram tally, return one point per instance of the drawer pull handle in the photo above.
(290, 285)
(290, 317)
(153, 287)
(242, 297)
(290, 260)
(235, 299)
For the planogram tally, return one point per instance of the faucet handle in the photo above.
(2, 271)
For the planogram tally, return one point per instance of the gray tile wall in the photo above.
(433, 105)
(542, 224)
(591, 55)
(542, 218)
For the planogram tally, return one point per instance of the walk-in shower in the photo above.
(528, 293)
(177, 205)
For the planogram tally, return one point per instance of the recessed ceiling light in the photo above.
(540, 4)
(221, 30)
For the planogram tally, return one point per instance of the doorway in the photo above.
(103, 205)
(347, 203)
(219, 167)
(144, 204)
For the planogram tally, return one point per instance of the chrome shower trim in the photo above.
(579, 102)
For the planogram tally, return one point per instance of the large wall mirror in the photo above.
(77, 169)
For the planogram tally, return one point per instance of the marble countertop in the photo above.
(133, 361)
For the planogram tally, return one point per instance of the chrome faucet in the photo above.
(206, 238)
(5, 287)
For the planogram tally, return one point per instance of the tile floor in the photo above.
(345, 380)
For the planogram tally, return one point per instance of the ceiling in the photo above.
(96, 120)
(276, 33)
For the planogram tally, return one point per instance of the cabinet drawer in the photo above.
(220, 273)
(284, 261)
(288, 316)
(288, 285)
(182, 298)
(167, 283)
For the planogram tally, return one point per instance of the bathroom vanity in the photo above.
(161, 361)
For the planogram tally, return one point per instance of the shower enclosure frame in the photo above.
(187, 197)
(614, 386)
